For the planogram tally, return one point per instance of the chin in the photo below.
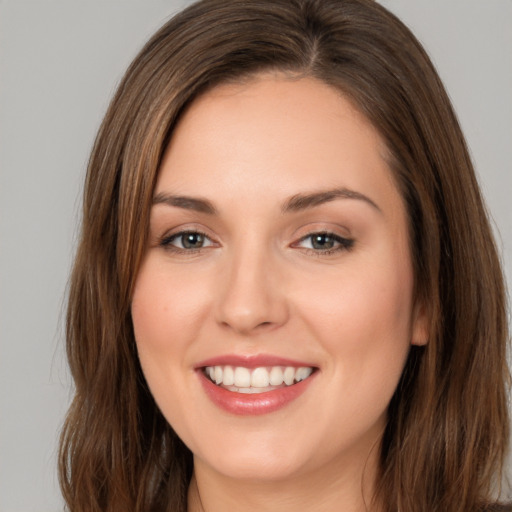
(260, 456)
(257, 467)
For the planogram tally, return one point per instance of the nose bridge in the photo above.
(251, 296)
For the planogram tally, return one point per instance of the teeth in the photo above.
(276, 376)
(302, 374)
(242, 377)
(259, 379)
(228, 376)
(289, 375)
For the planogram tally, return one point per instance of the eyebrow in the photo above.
(186, 202)
(296, 203)
(304, 201)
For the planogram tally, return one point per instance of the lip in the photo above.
(258, 403)
(251, 361)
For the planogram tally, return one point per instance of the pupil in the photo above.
(322, 242)
(192, 240)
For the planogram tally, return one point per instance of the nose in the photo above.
(251, 296)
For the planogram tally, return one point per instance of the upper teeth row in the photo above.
(258, 377)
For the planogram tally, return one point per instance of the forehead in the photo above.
(274, 136)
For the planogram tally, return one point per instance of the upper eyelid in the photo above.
(324, 232)
(335, 230)
(335, 236)
(187, 228)
(307, 231)
(180, 231)
(171, 236)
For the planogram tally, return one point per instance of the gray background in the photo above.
(60, 61)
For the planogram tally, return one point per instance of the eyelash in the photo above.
(343, 244)
(166, 242)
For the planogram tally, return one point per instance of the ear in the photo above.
(420, 330)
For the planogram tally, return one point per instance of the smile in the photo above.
(254, 385)
(256, 380)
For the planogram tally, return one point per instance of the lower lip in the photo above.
(253, 404)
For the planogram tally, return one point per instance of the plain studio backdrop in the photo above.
(60, 61)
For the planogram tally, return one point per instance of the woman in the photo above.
(286, 292)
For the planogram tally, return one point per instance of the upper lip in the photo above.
(251, 361)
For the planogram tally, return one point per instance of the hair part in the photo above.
(447, 431)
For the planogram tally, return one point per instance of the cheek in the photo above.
(363, 320)
(167, 314)
(167, 308)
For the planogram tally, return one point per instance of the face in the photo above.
(273, 312)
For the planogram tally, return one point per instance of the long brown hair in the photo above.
(447, 431)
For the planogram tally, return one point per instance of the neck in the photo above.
(348, 486)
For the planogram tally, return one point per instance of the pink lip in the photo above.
(257, 403)
(251, 361)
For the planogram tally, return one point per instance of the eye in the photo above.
(186, 241)
(324, 242)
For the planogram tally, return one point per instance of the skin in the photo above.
(258, 286)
